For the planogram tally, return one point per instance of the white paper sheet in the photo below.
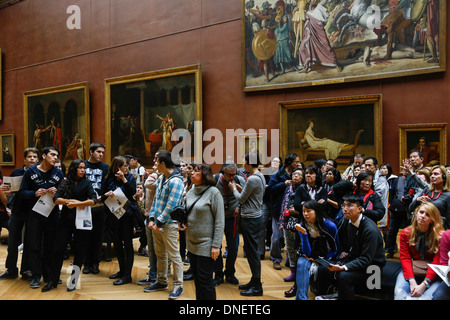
(44, 205)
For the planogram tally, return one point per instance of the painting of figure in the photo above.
(331, 128)
(295, 43)
(58, 117)
(144, 111)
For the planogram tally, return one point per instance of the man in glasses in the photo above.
(361, 245)
(227, 175)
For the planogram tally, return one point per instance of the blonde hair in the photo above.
(434, 231)
(446, 185)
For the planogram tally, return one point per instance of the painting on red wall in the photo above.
(58, 117)
(144, 111)
(430, 139)
(332, 128)
(298, 43)
(7, 157)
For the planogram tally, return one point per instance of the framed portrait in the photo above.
(145, 111)
(58, 117)
(7, 157)
(252, 142)
(430, 139)
(332, 128)
(299, 43)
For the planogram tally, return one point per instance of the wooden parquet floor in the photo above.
(100, 287)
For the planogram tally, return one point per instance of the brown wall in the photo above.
(126, 37)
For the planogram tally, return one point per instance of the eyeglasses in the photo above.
(229, 174)
(344, 206)
(82, 168)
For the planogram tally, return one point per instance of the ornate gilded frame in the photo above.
(139, 107)
(340, 115)
(7, 143)
(350, 53)
(66, 104)
(436, 133)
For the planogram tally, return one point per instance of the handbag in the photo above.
(180, 213)
(420, 268)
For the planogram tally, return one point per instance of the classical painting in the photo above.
(297, 43)
(59, 117)
(332, 128)
(144, 111)
(430, 139)
(7, 155)
(255, 143)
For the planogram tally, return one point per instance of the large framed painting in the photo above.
(7, 157)
(160, 110)
(332, 128)
(58, 117)
(429, 138)
(298, 43)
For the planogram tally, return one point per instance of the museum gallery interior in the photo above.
(128, 73)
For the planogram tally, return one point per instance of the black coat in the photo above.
(373, 206)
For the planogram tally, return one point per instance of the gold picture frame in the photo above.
(142, 110)
(60, 117)
(433, 134)
(7, 143)
(342, 47)
(252, 142)
(355, 122)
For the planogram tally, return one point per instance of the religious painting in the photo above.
(430, 139)
(254, 143)
(8, 154)
(332, 128)
(58, 117)
(299, 43)
(160, 110)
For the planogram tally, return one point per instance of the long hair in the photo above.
(66, 185)
(320, 214)
(446, 185)
(116, 163)
(433, 234)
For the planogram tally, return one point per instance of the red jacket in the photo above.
(408, 252)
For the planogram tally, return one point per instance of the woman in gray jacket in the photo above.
(204, 229)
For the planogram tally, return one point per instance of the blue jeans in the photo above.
(402, 289)
(302, 278)
(442, 292)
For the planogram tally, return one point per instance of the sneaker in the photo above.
(35, 283)
(276, 265)
(176, 293)
(155, 287)
(328, 297)
(146, 281)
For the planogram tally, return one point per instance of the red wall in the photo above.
(126, 37)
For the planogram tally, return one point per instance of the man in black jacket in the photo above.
(361, 245)
(276, 187)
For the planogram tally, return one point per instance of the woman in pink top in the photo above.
(443, 291)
